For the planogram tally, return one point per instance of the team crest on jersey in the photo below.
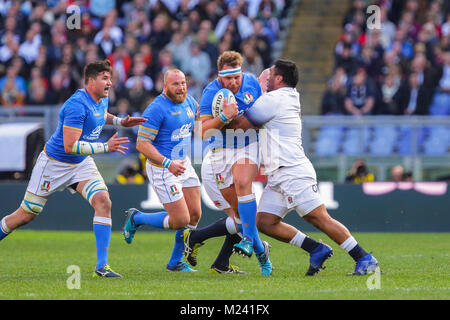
(290, 200)
(248, 98)
(45, 186)
(219, 179)
(189, 113)
(174, 190)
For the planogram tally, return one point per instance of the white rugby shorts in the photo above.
(290, 188)
(49, 175)
(168, 187)
(210, 184)
(223, 159)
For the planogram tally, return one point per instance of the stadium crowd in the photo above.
(42, 55)
(402, 68)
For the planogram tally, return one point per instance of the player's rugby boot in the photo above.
(245, 247)
(129, 228)
(105, 272)
(317, 257)
(264, 262)
(181, 267)
(365, 265)
(230, 269)
(190, 249)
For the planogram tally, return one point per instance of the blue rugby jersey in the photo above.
(169, 126)
(82, 113)
(248, 93)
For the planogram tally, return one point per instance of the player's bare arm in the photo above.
(145, 147)
(127, 122)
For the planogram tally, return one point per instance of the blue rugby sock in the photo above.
(177, 252)
(247, 211)
(102, 231)
(152, 219)
(2, 234)
(4, 231)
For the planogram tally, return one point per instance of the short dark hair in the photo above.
(92, 70)
(288, 70)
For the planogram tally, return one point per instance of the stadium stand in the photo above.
(403, 67)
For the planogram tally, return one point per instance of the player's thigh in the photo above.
(193, 202)
(272, 208)
(229, 194)
(178, 211)
(244, 172)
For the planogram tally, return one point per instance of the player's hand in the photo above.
(116, 144)
(230, 110)
(132, 121)
(177, 167)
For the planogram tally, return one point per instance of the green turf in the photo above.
(34, 266)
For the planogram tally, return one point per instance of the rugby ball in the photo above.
(219, 98)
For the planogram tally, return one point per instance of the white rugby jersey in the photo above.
(278, 112)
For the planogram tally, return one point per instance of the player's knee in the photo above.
(179, 222)
(318, 217)
(264, 221)
(243, 184)
(195, 217)
(102, 202)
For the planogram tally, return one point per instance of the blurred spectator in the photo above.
(441, 100)
(398, 174)
(207, 46)
(160, 36)
(413, 97)
(359, 173)
(137, 95)
(139, 75)
(371, 61)
(253, 63)
(263, 44)
(12, 88)
(9, 48)
(11, 96)
(346, 60)
(240, 23)
(197, 63)
(130, 175)
(121, 62)
(360, 97)
(333, 98)
(446, 27)
(390, 95)
(179, 47)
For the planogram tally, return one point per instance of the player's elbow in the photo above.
(140, 145)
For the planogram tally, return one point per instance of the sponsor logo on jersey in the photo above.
(95, 134)
(183, 132)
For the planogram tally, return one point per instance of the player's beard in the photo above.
(177, 96)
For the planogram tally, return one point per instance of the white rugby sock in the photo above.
(298, 239)
(348, 244)
(4, 226)
(166, 222)
(190, 226)
(231, 227)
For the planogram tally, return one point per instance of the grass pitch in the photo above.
(34, 265)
